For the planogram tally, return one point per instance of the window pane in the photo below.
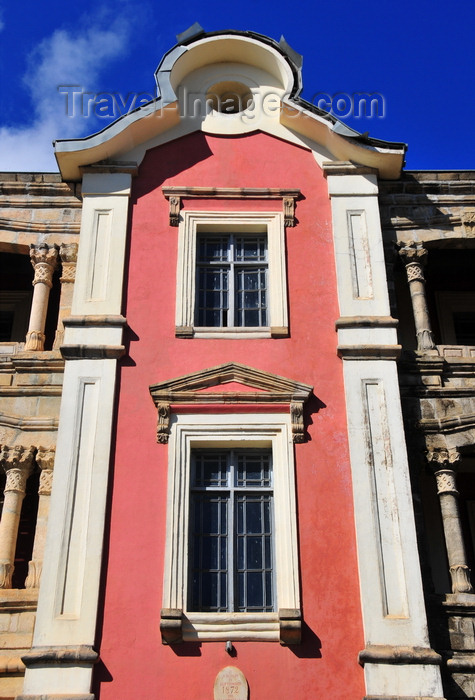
(210, 469)
(250, 248)
(253, 469)
(254, 559)
(251, 297)
(213, 296)
(209, 559)
(235, 293)
(213, 249)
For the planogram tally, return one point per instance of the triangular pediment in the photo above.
(232, 381)
(231, 384)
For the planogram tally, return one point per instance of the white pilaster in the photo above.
(61, 660)
(397, 658)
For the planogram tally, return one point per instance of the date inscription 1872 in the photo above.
(230, 684)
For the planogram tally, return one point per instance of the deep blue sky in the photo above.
(418, 54)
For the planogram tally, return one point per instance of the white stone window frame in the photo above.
(194, 222)
(191, 431)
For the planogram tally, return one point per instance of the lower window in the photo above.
(231, 531)
(231, 560)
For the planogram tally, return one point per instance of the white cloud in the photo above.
(63, 58)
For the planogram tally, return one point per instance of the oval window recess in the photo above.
(229, 97)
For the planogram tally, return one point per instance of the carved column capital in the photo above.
(45, 458)
(44, 259)
(17, 463)
(68, 254)
(414, 256)
(443, 458)
(45, 461)
(19, 458)
(413, 253)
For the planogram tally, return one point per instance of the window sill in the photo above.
(231, 333)
(283, 627)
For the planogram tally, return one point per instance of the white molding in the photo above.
(69, 590)
(216, 430)
(359, 253)
(100, 265)
(390, 578)
(192, 222)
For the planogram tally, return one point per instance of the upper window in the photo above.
(231, 531)
(231, 276)
(232, 280)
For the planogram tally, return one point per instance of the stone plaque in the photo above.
(230, 684)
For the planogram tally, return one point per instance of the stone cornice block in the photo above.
(369, 352)
(92, 352)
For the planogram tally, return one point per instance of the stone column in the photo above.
(442, 462)
(414, 256)
(44, 260)
(68, 254)
(45, 461)
(17, 463)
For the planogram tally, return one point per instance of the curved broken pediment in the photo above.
(227, 83)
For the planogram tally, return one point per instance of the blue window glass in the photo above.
(231, 281)
(231, 560)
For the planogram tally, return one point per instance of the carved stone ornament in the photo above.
(468, 221)
(443, 458)
(460, 575)
(296, 414)
(16, 480)
(414, 272)
(6, 573)
(44, 259)
(163, 424)
(289, 211)
(68, 252)
(413, 253)
(272, 390)
(35, 568)
(18, 458)
(35, 340)
(45, 457)
(175, 206)
(46, 482)
(446, 482)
